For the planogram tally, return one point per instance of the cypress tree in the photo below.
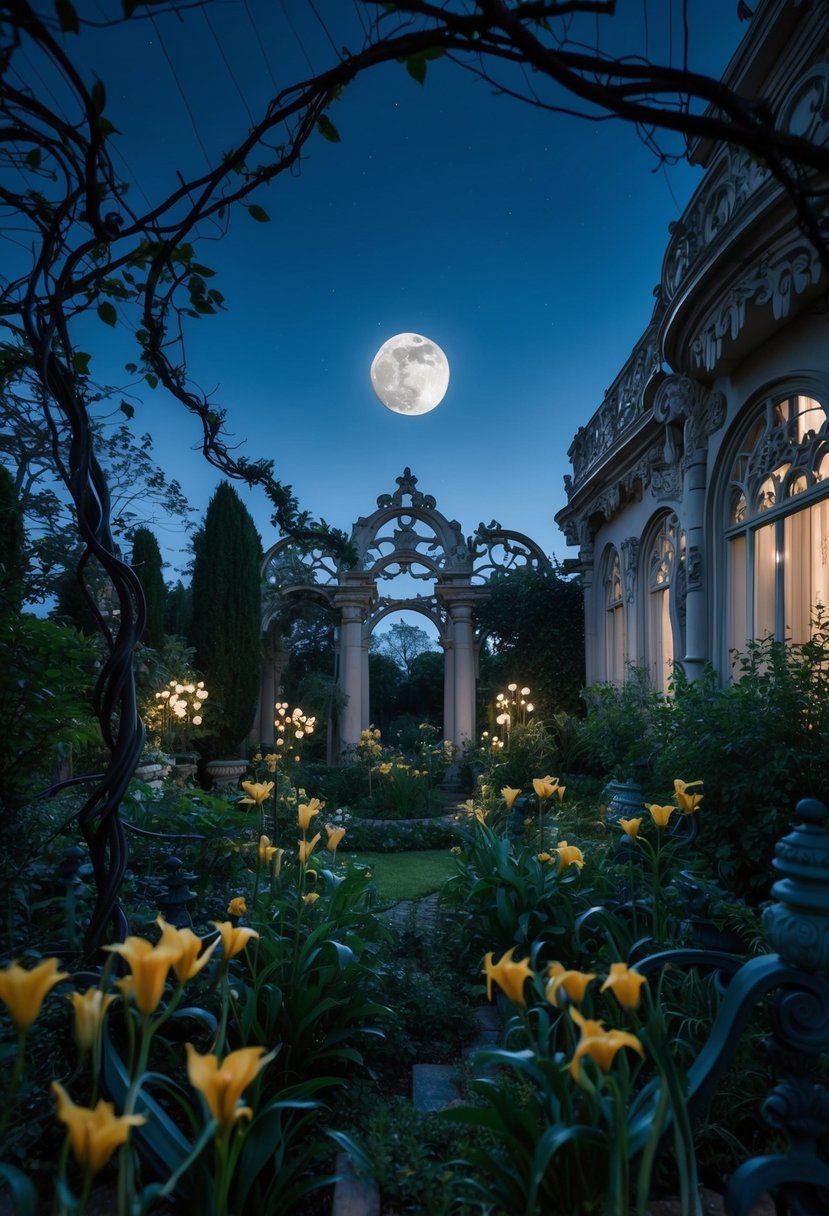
(12, 543)
(146, 562)
(227, 615)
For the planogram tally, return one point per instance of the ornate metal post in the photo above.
(798, 1106)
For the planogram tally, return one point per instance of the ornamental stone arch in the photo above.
(405, 535)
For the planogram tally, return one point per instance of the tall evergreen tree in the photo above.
(227, 614)
(146, 562)
(12, 543)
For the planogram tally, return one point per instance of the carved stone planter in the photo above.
(226, 773)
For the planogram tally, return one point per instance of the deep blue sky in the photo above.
(526, 244)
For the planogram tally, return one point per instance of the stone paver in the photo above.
(433, 1086)
(354, 1196)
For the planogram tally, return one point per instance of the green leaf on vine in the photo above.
(80, 362)
(327, 129)
(126, 408)
(107, 313)
(259, 214)
(67, 16)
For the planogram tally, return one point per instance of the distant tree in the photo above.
(533, 624)
(403, 643)
(139, 490)
(178, 611)
(227, 616)
(146, 562)
(385, 678)
(422, 694)
(12, 543)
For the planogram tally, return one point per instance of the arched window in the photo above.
(777, 522)
(614, 619)
(662, 555)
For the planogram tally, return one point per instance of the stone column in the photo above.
(696, 601)
(365, 709)
(448, 686)
(463, 649)
(593, 672)
(354, 602)
(273, 665)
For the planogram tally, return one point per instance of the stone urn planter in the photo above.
(225, 773)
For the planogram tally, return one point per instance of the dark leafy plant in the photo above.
(759, 744)
(45, 674)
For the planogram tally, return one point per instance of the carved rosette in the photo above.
(798, 921)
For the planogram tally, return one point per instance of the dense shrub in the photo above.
(760, 745)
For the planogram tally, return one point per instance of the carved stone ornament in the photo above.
(730, 185)
(406, 488)
(630, 564)
(774, 281)
(623, 406)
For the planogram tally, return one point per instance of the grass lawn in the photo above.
(408, 875)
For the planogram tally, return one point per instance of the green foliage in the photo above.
(13, 564)
(620, 731)
(178, 611)
(312, 979)
(511, 898)
(146, 562)
(227, 615)
(535, 628)
(46, 675)
(411, 1155)
(760, 744)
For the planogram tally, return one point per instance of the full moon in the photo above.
(410, 374)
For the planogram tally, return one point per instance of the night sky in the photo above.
(527, 244)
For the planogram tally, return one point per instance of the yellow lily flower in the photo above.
(574, 983)
(544, 857)
(234, 937)
(94, 1134)
(277, 862)
(687, 803)
(631, 827)
(238, 906)
(306, 812)
(266, 850)
(509, 795)
(306, 848)
(545, 787)
(311, 897)
(221, 1084)
(508, 974)
(23, 992)
(258, 792)
(191, 958)
(560, 790)
(600, 1044)
(90, 1008)
(335, 835)
(659, 814)
(149, 967)
(625, 984)
(569, 855)
(272, 760)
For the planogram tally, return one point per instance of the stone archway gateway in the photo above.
(405, 535)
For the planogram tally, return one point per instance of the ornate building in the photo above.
(699, 497)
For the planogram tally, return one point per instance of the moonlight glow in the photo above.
(410, 374)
